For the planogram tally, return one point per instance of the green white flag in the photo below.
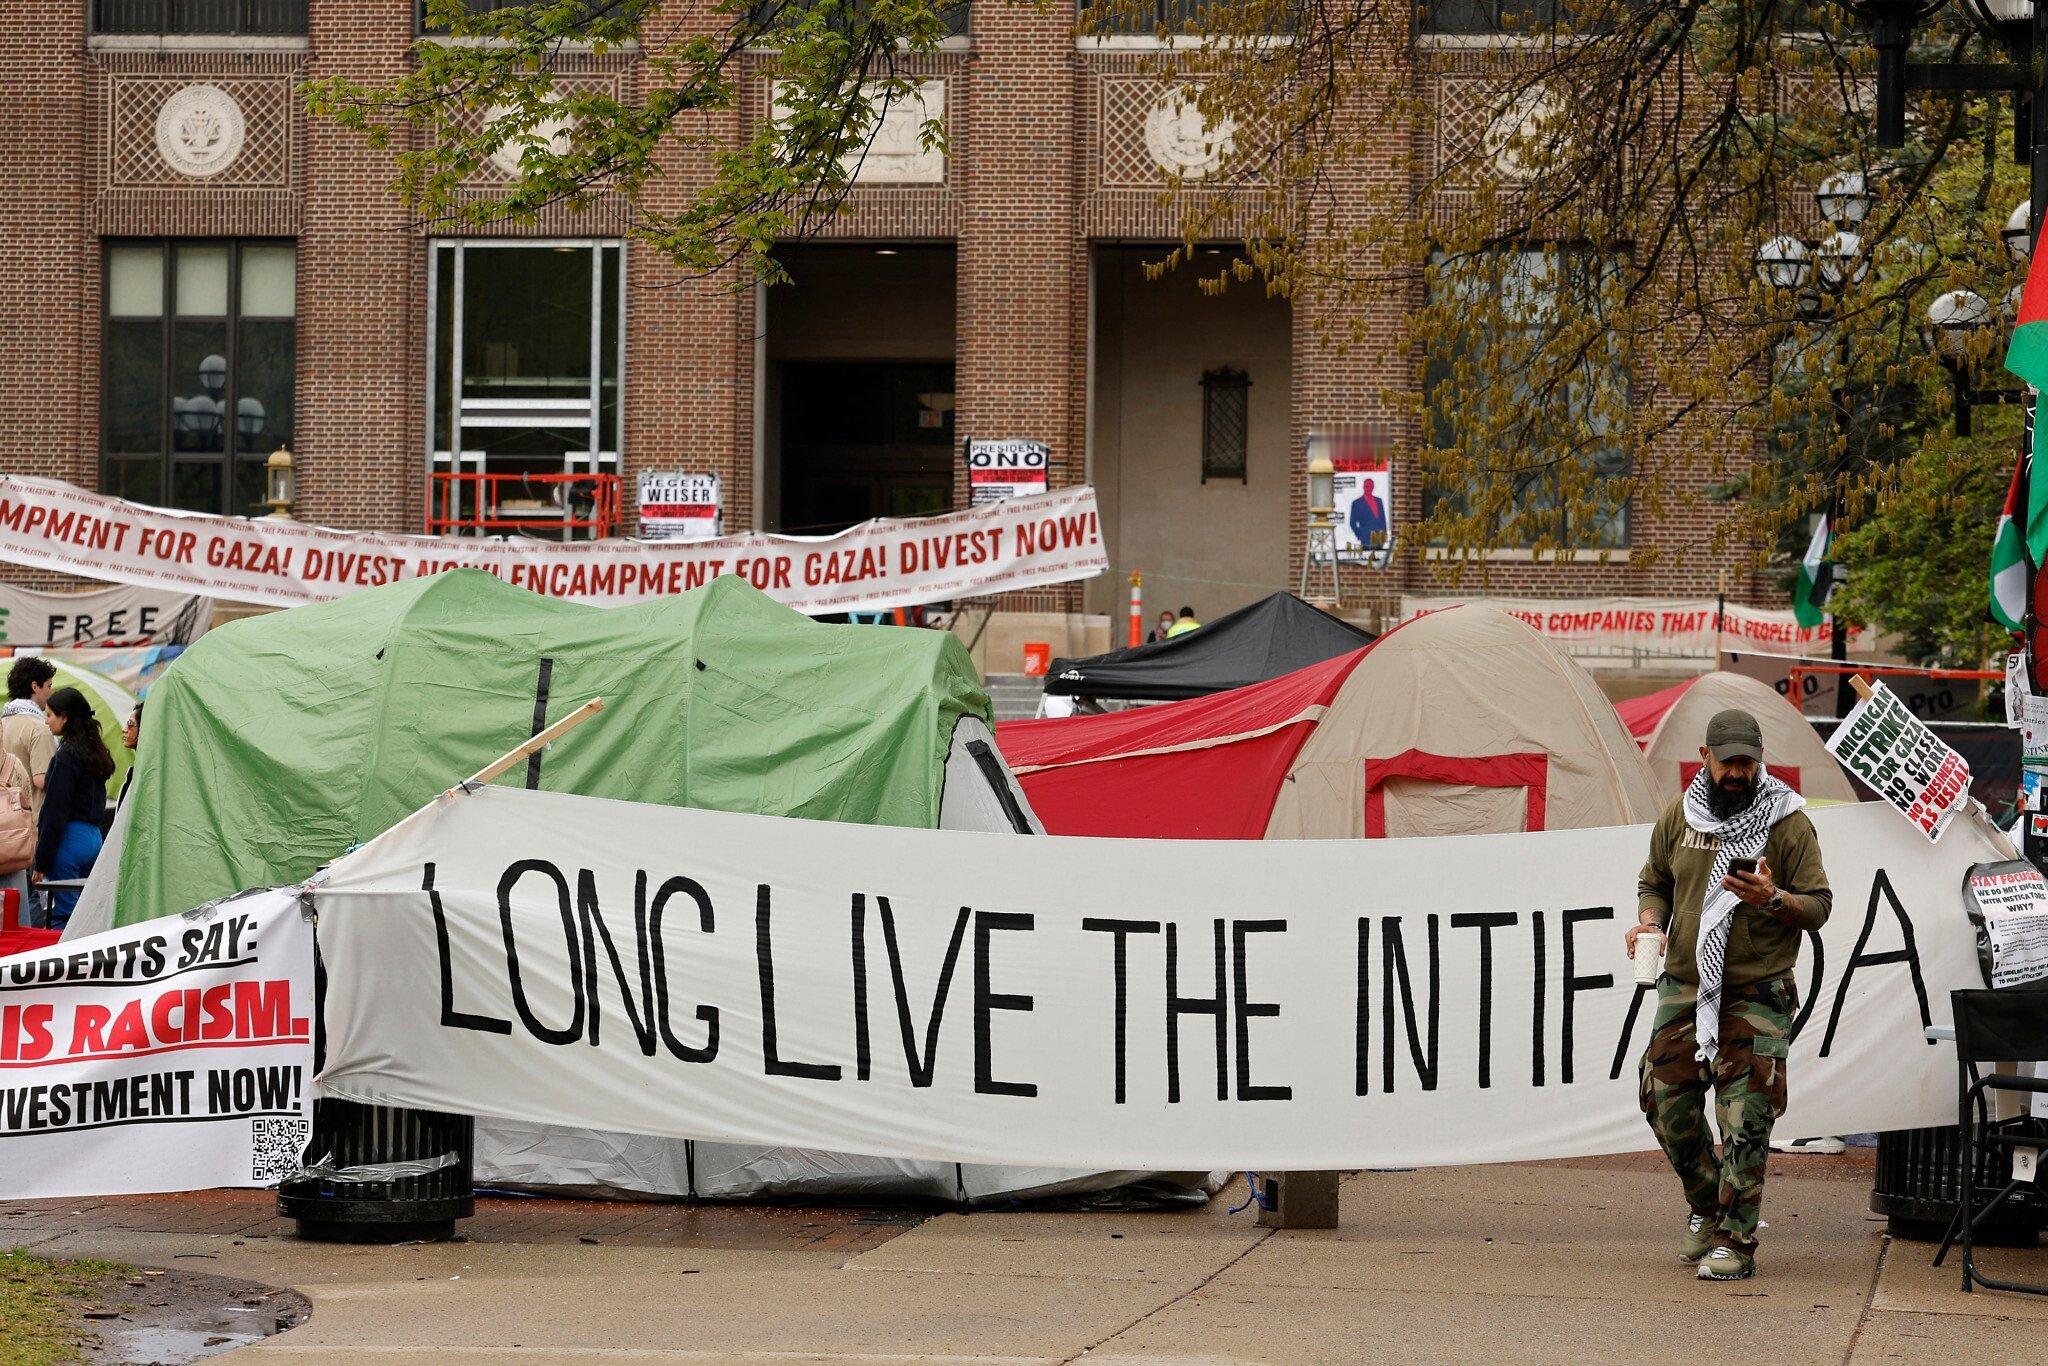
(1816, 577)
(2009, 559)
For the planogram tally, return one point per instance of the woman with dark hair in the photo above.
(74, 799)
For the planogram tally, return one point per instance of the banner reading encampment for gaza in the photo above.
(1052, 538)
(171, 1055)
(1128, 1004)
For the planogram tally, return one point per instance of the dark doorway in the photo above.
(864, 439)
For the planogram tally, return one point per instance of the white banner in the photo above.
(1881, 742)
(1111, 1004)
(102, 618)
(1676, 627)
(167, 1056)
(1053, 538)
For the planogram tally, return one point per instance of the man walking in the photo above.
(1733, 878)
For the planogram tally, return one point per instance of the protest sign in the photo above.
(678, 507)
(1000, 470)
(1362, 488)
(1109, 1004)
(889, 562)
(103, 618)
(1884, 745)
(170, 1055)
(2010, 899)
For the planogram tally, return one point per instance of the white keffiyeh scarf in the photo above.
(1740, 836)
(21, 706)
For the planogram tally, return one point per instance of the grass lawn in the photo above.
(39, 1305)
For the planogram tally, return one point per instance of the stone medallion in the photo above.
(199, 131)
(1181, 141)
(1516, 139)
(551, 133)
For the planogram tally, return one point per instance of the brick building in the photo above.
(197, 272)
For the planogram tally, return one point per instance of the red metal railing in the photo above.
(489, 503)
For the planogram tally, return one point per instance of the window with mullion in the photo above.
(246, 18)
(199, 354)
(768, 15)
(1149, 18)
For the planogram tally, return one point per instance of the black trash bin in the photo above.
(381, 1175)
(1916, 1189)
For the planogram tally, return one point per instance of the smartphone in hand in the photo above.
(1739, 866)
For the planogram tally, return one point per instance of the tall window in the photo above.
(1488, 17)
(769, 14)
(1226, 423)
(246, 17)
(525, 343)
(1567, 438)
(199, 352)
(1147, 18)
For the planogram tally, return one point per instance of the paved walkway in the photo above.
(1553, 1262)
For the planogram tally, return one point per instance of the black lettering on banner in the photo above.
(1178, 1005)
(987, 1000)
(1538, 990)
(594, 929)
(764, 956)
(1486, 922)
(250, 1090)
(1120, 967)
(1819, 959)
(707, 1014)
(1574, 984)
(1361, 1023)
(863, 1054)
(1247, 1010)
(572, 1031)
(451, 1018)
(1880, 886)
(920, 1067)
(1394, 963)
(1628, 1029)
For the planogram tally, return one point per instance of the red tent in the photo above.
(1202, 769)
(1641, 714)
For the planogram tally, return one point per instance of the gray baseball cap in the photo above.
(1735, 734)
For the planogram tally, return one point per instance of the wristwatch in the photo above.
(1777, 902)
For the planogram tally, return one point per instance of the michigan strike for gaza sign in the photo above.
(1151, 1005)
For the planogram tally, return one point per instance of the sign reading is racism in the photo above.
(170, 1055)
(1000, 470)
(1109, 1004)
(1881, 742)
(1053, 538)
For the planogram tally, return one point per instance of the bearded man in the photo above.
(1726, 1000)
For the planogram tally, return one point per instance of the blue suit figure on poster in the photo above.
(1368, 515)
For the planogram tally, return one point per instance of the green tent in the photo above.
(276, 742)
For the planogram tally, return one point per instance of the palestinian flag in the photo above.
(1816, 577)
(2027, 357)
(2009, 558)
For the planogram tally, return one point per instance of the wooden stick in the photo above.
(552, 733)
(1861, 685)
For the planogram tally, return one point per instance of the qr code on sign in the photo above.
(274, 1148)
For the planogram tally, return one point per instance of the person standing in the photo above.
(24, 732)
(1726, 999)
(1162, 630)
(1186, 624)
(74, 800)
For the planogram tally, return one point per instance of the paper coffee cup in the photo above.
(1649, 957)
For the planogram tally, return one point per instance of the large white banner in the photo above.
(171, 1055)
(1129, 1004)
(1052, 538)
(102, 618)
(1677, 627)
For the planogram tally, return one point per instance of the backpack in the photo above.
(17, 822)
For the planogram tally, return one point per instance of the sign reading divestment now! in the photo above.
(1127, 1004)
(1052, 538)
(171, 1055)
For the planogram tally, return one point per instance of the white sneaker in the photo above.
(1808, 1145)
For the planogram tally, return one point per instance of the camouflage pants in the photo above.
(1748, 1077)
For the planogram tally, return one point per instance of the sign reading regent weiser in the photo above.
(999, 470)
(1052, 538)
(1900, 759)
(1141, 1004)
(678, 507)
(169, 1055)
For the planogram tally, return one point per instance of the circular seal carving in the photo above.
(1519, 139)
(1182, 141)
(551, 133)
(199, 131)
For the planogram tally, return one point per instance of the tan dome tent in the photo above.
(1670, 726)
(1464, 722)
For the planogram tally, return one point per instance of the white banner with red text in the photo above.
(166, 1056)
(1689, 628)
(889, 562)
(1151, 1005)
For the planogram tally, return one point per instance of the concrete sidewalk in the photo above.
(1552, 1262)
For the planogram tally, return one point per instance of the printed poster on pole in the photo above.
(1364, 488)
(1001, 470)
(679, 507)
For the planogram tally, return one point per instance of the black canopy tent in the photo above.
(1274, 636)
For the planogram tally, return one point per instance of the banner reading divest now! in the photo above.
(171, 1055)
(1109, 1004)
(1052, 538)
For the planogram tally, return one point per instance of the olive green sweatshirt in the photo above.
(1761, 946)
